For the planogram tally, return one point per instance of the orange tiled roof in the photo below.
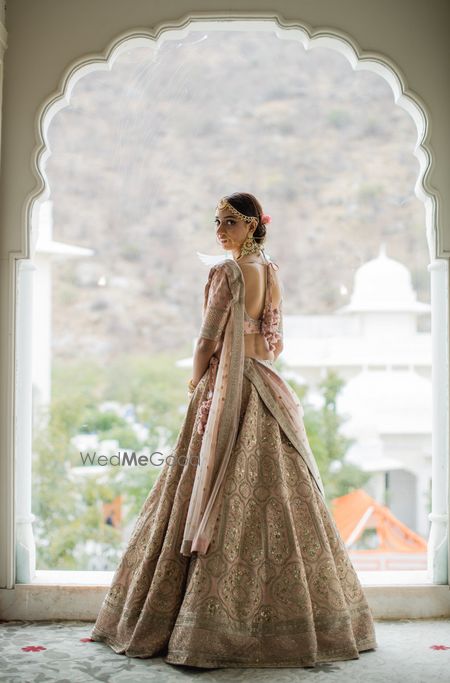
(357, 511)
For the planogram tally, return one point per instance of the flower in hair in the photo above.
(265, 218)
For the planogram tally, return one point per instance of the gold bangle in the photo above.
(191, 384)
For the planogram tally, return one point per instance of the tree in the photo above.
(328, 445)
(69, 528)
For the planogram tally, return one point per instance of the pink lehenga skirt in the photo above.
(276, 587)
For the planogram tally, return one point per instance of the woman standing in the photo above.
(235, 559)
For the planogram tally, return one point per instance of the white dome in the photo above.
(386, 401)
(383, 284)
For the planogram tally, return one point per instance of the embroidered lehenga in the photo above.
(235, 559)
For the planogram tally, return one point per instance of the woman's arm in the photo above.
(204, 349)
(216, 309)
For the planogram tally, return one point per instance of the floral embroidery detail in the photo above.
(204, 412)
(33, 648)
(270, 325)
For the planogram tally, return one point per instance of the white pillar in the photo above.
(25, 545)
(6, 468)
(438, 544)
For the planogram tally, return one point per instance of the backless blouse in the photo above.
(270, 322)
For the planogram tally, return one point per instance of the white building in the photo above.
(374, 345)
(45, 250)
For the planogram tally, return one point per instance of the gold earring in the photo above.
(250, 246)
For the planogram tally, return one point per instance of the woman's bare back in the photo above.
(255, 273)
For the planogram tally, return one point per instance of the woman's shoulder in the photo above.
(222, 272)
(227, 266)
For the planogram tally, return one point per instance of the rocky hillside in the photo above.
(145, 150)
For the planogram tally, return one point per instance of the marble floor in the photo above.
(410, 651)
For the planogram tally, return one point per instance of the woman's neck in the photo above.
(251, 258)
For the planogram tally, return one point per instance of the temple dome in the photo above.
(383, 284)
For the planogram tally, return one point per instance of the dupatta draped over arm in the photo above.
(223, 316)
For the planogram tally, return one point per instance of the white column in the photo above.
(438, 544)
(25, 545)
(6, 468)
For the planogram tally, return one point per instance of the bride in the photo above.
(235, 559)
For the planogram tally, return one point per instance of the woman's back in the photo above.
(262, 288)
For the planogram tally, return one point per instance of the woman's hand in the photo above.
(191, 387)
(204, 350)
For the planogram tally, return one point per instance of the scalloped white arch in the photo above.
(264, 22)
(309, 38)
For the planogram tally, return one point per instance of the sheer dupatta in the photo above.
(292, 411)
(223, 313)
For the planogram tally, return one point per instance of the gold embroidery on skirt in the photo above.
(276, 587)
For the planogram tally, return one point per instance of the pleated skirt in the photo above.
(276, 587)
